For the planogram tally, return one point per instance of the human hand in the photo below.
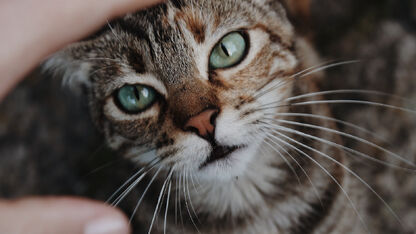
(60, 216)
(33, 29)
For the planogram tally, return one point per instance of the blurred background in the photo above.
(48, 144)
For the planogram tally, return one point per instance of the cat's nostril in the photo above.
(192, 129)
(203, 124)
(213, 118)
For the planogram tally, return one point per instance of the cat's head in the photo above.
(188, 80)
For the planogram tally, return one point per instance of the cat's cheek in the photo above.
(231, 129)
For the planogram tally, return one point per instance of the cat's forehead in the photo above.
(179, 33)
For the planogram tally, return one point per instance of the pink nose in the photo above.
(203, 123)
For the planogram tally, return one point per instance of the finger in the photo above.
(60, 215)
(32, 29)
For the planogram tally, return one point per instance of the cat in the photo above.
(204, 98)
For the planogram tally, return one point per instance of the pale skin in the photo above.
(32, 30)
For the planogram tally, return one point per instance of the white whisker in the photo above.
(328, 173)
(167, 207)
(160, 199)
(361, 140)
(144, 193)
(300, 166)
(322, 117)
(347, 169)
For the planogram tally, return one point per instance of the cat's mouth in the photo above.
(219, 152)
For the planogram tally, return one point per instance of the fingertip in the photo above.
(64, 215)
(127, 6)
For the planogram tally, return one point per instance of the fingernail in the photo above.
(107, 225)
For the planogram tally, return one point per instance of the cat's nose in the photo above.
(203, 123)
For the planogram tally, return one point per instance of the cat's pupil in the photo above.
(224, 48)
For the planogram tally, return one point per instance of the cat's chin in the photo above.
(230, 167)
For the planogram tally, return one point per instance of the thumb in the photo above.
(60, 216)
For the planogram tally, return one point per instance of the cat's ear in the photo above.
(71, 65)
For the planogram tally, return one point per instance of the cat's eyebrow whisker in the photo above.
(114, 32)
(361, 140)
(323, 117)
(162, 190)
(315, 190)
(276, 130)
(144, 193)
(326, 172)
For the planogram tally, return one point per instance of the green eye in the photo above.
(135, 98)
(229, 51)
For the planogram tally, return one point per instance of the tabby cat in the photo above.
(211, 100)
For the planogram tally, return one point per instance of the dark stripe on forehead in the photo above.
(177, 4)
(136, 62)
(193, 23)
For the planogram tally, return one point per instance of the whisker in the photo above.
(329, 174)
(284, 158)
(347, 169)
(176, 200)
(160, 199)
(322, 117)
(349, 150)
(167, 207)
(193, 184)
(347, 91)
(134, 184)
(359, 139)
(102, 167)
(369, 103)
(329, 66)
(144, 193)
(189, 196)
(186, 201)
(114, 32)
(303, 74)
(300, 166)
(179, 198)
(259, 94)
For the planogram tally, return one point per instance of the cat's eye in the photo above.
(229, 51)
(134, 99)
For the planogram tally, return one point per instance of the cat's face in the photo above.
(188, 80)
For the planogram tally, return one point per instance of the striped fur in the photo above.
(253, 190)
